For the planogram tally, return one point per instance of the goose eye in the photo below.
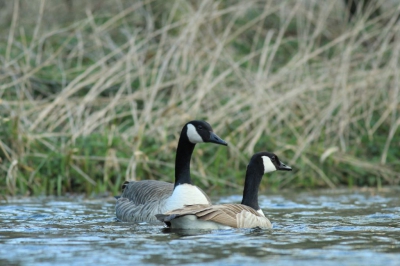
(199, 127)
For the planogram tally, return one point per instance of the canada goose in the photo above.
(142, 200)
(245, 215)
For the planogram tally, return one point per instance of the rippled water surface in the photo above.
(328, 227)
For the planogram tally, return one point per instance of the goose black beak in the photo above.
(284, 167)
(215, 139)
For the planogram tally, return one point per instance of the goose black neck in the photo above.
(182, 160)
(251, 185)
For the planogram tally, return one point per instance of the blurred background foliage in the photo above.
(93, 93)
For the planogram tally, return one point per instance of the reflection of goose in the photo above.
(142, 200)
(245, 215)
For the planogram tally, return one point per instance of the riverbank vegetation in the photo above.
(96, 92)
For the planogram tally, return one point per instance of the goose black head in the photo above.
(200, 131)
(269, 162)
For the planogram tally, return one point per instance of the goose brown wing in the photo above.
(227, 214)
(233, 215)
(236, 216)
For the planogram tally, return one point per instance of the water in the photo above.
(328, 227)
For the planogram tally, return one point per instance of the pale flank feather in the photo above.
(261, 212)
(246, 219)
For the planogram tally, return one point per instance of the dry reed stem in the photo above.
(302, 83)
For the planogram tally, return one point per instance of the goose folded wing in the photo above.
(233, 215)
(128, 211)
(141, 192)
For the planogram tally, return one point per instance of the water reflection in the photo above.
(329, 227)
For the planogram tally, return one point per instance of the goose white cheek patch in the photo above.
(192, 134)
(268, 165)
